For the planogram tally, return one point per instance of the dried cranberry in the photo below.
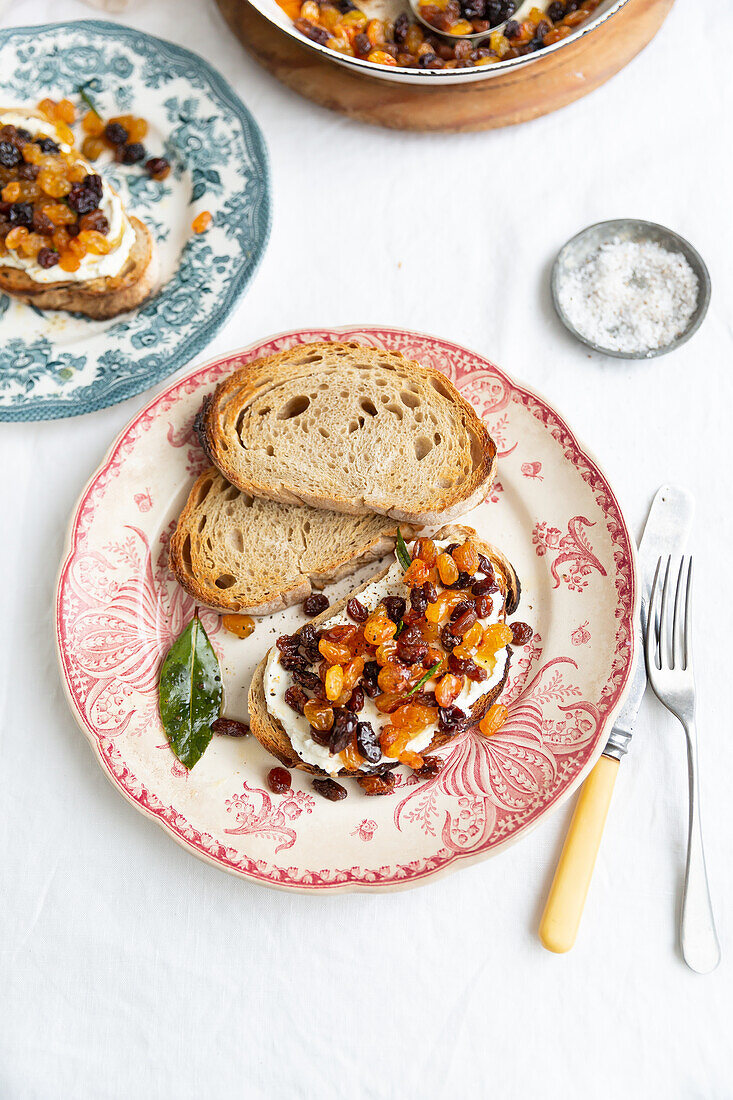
(329, 789)
(21, 213)
(463, 624)
(395, 607)
(343, 729)
(10, 155)
(356, 610)
(521, 633)
(310, 681)
(418, 601)
(431, 765)
(356, 701)
(229, 727)
(47, 145)
(47, 257)
(315, 604)
(449, 718)
(377, 784)
(296, 698)
(158, 168)
(367, 742)
(278, 780)
(115, 133)
(130, 154)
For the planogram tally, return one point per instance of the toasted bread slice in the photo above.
(235, 552)
(98, 298)
(350, 428)
(270, 732)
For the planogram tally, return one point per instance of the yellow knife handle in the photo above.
(564, 908)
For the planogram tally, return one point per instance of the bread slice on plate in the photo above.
(272, 735)
(98, 298)
(239, 553)
(349, 428)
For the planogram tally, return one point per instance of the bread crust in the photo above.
(97, 298)
(203, 588)
(224, 406)
(273, 737)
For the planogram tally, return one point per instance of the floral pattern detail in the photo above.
(117, 607)
(144, 500)
(365, 830)
(257, 814)
(581, 635)
(219, 159)
(573, 551)
(532, 469)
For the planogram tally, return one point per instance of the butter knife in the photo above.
(666, 532)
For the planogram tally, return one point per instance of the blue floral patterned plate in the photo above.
(61, 364)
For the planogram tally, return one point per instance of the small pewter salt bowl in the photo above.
(586, 243)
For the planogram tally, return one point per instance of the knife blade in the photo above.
(666, 532)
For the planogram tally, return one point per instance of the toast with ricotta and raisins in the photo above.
(277, 717)
(66, 240)
(239, 553)
(350, 428)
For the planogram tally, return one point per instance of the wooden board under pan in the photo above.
(550, 82)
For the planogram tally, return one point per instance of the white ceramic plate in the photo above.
(390, 9)
(118, 610)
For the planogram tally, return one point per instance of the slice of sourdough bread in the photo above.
(98, 298)
(236, 552)
(271, 733)
(350, 428)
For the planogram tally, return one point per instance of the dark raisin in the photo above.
(458, 610)
(521, 633)
(556, 10)
(458, 665)
(481, 588)
(367, 742)
(345, 6)
(395, 607)
(356, 610)
(21, 213)
(462, 625)
(82, 199)
(229, 727)
(158, 168)
(410, 646)
(288, 643)
(427, 61)
(315, 604)
(296, 698)
(448, 638)
(321, 737)
(23, 135)
(483, 605)
(369, 679)
(310, 30)
(401, 27)
(47, 145)
(449, 718)
(95, 221)
(343, 729)
(310, 681)
(475, 672)
(362, 45)
(47, 257)
(431, 592)
(418, 601)
(278, 780)
(130, 154)
(293, 662)
(309, 637)
(93, 182)
(512, 29)
(431, 765)
(42, 223)
(356, 700)
(10, 155)
(377, 784)
(27, 171)
(427, 698)
(115, 133)
(328, 788)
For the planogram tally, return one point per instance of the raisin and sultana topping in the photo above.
(370, 689)
(406, 43)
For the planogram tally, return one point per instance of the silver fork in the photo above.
(668, 648)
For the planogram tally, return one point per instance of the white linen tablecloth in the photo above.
(130, 969)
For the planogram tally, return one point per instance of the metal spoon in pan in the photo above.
(522, 10)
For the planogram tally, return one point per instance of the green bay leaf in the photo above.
(190, 693)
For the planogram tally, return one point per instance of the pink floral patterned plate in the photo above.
(551, 510)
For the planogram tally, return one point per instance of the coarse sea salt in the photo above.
(630, 296)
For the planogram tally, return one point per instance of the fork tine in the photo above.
(651, 640)
(688, 624)
(678, 623)
(665, 654)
